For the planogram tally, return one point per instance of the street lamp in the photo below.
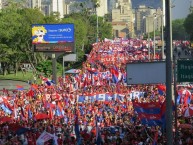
(147, 21)
(148, 42)
(162, 27)
(162, 33)
(96, 5)
(155, 17)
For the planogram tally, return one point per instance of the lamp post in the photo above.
(147, 27)
(148, 41)
(148, 35)
(147, 31)
(162, 27)
(154, 35)
(169, 76)
(96, 5)
(162, 34)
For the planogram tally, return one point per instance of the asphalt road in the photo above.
(11, 85)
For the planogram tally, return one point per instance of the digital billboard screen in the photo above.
(53, 37)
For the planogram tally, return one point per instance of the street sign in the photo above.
(146, 72)
(185, 71)
(70, 58)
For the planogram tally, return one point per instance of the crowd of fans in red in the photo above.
(35, 110)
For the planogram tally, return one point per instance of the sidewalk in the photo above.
(11, 84)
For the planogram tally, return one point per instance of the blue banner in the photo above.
(52, 33)
(100, 97)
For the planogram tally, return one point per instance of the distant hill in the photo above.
(151, 3)
(136, 3)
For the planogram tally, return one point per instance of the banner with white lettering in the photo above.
(109, 97)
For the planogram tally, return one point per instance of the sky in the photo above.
(181, 9)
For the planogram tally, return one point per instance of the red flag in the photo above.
(50, 114)
(161, 87)
(30, 93)
(34, 86)
(19, 87)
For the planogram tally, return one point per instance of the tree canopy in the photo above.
(178, 30)
(15, 34)
(188, 24)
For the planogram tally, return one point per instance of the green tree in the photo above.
(27, 21)
(157, 33)
(52, 18)
(45, 67)
(15, 42)
(188, 24)
(15, 32)
(178, 30)
(105, 28)
(80, 34)
(9, 28)
(96, 3)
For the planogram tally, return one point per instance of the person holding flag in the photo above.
(76, 128)
(98, 132)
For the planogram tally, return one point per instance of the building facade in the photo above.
(3, 3)
(147, 20)
(34, 4)
(123, 19)
(46, 9)
(58, 6)
(110, 5)
(102, 9)
(154, 22)
(66, 9)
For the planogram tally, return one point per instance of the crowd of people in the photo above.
(94, 105)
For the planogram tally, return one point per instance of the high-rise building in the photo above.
(46, 9)
(123, 19)
(34, 4)
(58, 6)
(66, 9)
(102, 9)
(144, 19)
(110, 5)
(3, 3)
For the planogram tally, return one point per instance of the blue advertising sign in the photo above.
(52, 33)
(53, 37)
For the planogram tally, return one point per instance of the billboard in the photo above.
(185, 71)
(53, 37)
(146, 72)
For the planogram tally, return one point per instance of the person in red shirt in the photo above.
(60, 140)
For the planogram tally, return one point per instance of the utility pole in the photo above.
(154, 36)
(164, 11)
(148, 40)
(162, 27)
(169, 76)
(54, 68)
